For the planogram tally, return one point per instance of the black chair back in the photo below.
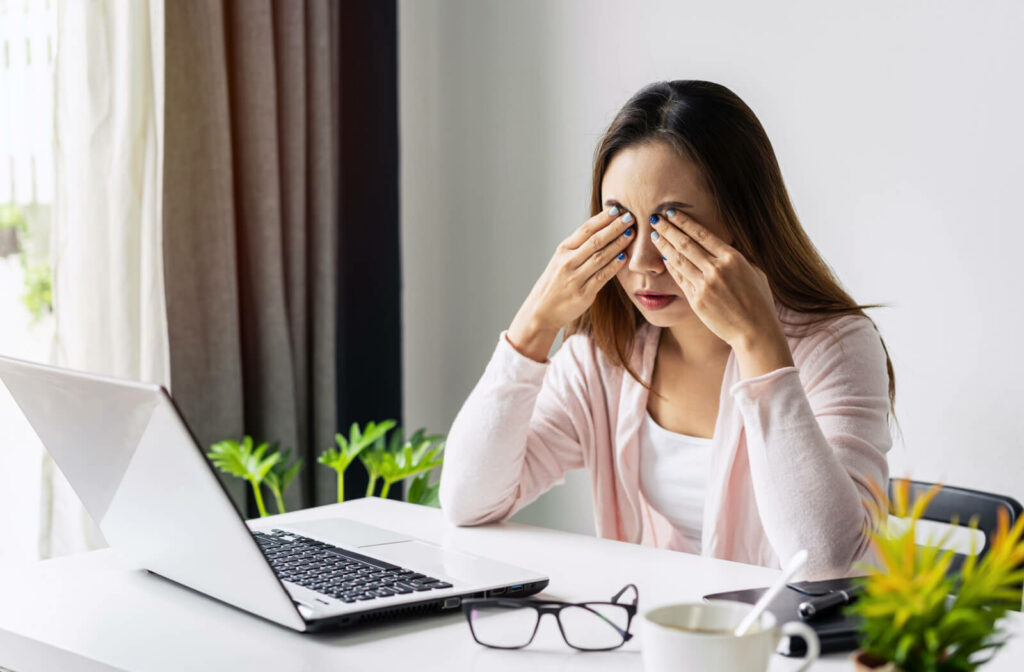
(960, 504)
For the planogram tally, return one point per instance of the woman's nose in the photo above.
(644, 256)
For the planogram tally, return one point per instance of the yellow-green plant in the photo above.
(399, 459)
(245, 461)
(907, 616)
(348, 449)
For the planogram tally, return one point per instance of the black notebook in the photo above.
(837, 632)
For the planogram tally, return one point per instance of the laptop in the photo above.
(126, 450)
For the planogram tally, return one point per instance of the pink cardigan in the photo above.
(793, 450)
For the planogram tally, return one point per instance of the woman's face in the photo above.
(646, 180)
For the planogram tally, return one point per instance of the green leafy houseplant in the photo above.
(281, 475)
(423, 493)
(908, 621)
(245, 461)
(400, 459)
(388, 459)
(349, 449)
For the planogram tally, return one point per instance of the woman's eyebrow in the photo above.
(672, 204)
(661, 206)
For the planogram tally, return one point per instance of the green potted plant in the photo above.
(400, 459)
(281, 475)
(247, 462)
(422, 491)
(348, 449)
(909, 622)
(387, 459)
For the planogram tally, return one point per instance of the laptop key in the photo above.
(351, 555)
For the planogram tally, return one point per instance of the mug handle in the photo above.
(809, 636)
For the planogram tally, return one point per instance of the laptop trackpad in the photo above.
(344, 532)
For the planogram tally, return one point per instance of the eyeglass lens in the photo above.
(594, 626)
(501, 626)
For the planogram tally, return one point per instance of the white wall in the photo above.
(898, 129)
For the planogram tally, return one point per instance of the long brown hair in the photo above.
(711, 125)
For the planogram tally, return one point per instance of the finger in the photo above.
(592, 226)
(683, 243)
(600, 278)
(698, 232)
(619, 228)
(599, 259)
(678, 264)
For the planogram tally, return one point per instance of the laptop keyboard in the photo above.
(338, 573)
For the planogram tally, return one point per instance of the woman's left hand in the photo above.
(728, 293)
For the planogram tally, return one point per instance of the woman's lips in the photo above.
(654, 300)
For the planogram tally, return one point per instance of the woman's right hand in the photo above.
(583, 263)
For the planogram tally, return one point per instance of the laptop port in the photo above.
(496, 591)
(452, 602)
(515, 589)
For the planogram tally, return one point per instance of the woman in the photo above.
(727, 395)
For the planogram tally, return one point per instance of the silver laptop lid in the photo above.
(138, 470)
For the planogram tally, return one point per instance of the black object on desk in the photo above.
(836, 630)
(816, 607)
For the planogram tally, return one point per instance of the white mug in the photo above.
(707, 642)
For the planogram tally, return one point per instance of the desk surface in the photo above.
(95, 612)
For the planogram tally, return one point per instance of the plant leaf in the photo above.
(242, 459)
(420, 492)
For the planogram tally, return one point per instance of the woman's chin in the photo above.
(668, 316)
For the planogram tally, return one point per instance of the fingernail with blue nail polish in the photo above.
(622, 255)
(663, 258)
(654, 235)
(629, 232)
(627, 218)
(614, 211)
(670, 212)
(653, 219)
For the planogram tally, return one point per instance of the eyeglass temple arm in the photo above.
(636, 593)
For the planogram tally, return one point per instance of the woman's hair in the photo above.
(716, 130)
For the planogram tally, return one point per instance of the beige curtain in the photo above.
(250, 223)
(105, 246)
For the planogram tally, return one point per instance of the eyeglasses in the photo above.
(504, 623)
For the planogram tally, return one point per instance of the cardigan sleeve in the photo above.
(816, 437)
(519, 431)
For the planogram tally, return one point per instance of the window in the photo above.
(27, 54)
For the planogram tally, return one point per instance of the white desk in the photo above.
(94, 612)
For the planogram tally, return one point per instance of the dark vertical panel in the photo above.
(369, 298)
(199, 241)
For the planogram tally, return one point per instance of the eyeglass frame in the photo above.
(553, 607)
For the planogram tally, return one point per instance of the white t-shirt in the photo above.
(674, 476)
